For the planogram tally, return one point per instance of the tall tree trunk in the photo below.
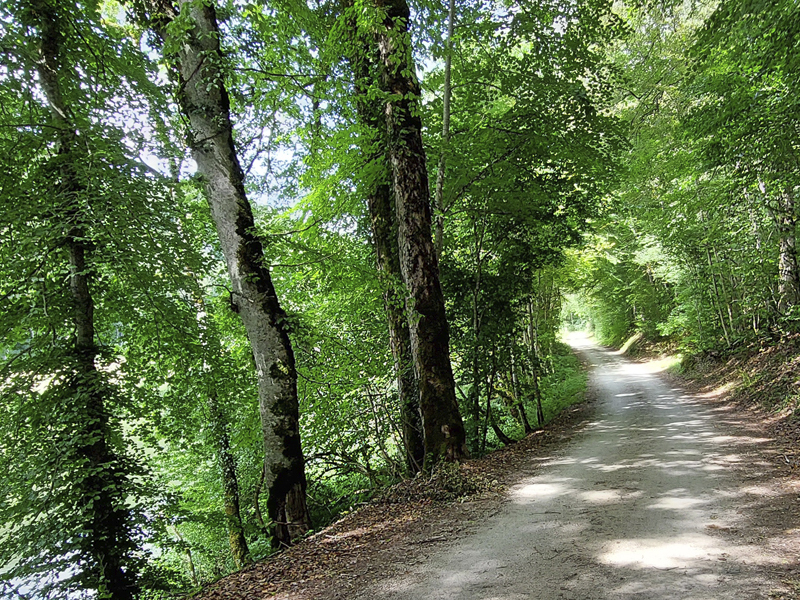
(536, 369)
(715, 301)
(383, 222)
(520, 406)
(475, 394)
(381, 213)
(106, 545)
(476, 331)
(204, 102)
(788, 269)
(430, 339)
(446, 95)
(726, 295)
(230, 482)
(221, 439)
(257, 499)
(504, 439)
(189, 558)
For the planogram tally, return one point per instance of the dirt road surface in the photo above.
(648, 502)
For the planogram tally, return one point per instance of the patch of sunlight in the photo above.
(628, 343)
(658, 553)
(673, 503)
(542, 490)
(686, 452)
(730, 458)
(612, 468)
(692, 423)
(760, 490)
(608, 496)
(666, 363)
(714, 468)
(716, 393)
(737, 439)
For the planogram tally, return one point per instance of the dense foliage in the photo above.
(701, 246)
(641, 157)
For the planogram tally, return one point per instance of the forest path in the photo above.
(647, 502)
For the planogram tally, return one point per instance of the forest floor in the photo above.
(647, 490)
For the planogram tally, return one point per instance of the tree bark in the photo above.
(520, 406)
(230, 483)
(107, 543)
(430, 339)
(204, 101)
(537, 392)
(383, 223)
(788, 269)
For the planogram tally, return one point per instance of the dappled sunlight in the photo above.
(739, 439)
(675, 503)
(358, 532)
(607, 496)
(659, 553)
(719, 391)
(665, 363)
(762, 491)
(541, 491)
(641, 505)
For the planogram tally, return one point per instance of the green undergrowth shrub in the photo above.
(331, 497)
(561, 387)
(565, 386)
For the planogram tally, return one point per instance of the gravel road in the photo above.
(645, 503)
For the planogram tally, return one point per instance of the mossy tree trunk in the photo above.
(383, 223)
(230, 483)
(205, 103)
(430, 339)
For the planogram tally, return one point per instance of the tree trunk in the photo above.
(106, 545)
(189, 558)
(788, 270)
(715, 301)
(476, 332)
(504, 439)
(383, 222)
(381, 213)
(430, 339)
(257, 499)
(447, 93)
(230, 483)
(537, 392)
(520, 406)
(205, 104)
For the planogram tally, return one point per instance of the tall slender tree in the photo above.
(191, 38)
(72, 468)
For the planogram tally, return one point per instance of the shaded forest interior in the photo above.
(261, 261)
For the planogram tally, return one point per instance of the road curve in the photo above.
(639, 506)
